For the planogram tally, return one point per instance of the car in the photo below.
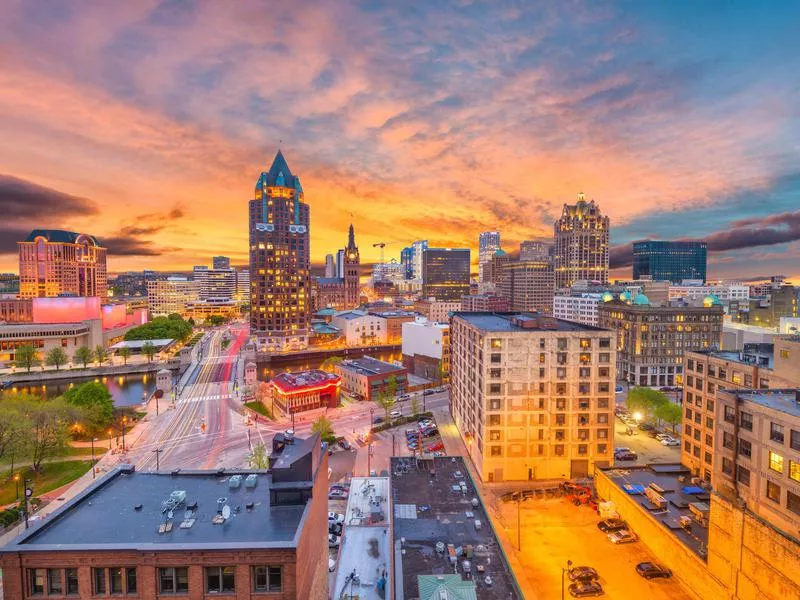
(335, 529)
(333, 541)
(646, 426)
(331, 565)
(334, 517)
(618, 389)
(430, 432)
(403, 398)
(377, 420)
(620, 449)
(289, 435)
(336, 494)
(582, 589)
(623, 536)
(425, 422)
(435, 447)
(626, 454)
(651, 570)
(670, 441)
(663, 436)
(428, 392)
(395, 414)
(582, 574)
(344, 444)
(611, 525)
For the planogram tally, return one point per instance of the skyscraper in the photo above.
(221, 262)
(445, 273)
(330, 266)
(418, 249)
(54, 262)
(488, 244)
(352, 261)
(528, 285)
(581, 244)
(407, 260)
(533, 250)
(279, 260)
(669, 261)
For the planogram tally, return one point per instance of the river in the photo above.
(127, 390)
(267, 371)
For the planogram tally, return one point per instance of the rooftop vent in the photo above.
(251, 480)
(137, 507)
(234, 482)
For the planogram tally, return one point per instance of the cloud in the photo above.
(21, 199)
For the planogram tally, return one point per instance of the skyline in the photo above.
(148, 125)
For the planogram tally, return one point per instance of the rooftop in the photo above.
(367, 503)
(366, 365)
(301, 380)
(138, 344)
(436, 504)
(762, 355)
(675, 486)
(786, 400)
(127, 510)
(61, 236)
(348, 315)
(507, 322)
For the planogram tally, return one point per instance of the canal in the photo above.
(127, 390)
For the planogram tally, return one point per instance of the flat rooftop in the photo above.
(748, 356)
(521, 322)
(366, 365)
(302, 380)
(432, 503)
(787, 400)
(125, 510)
(679, 495)
(367, 503)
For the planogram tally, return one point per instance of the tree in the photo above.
(329, 364)
(49, 425)
(386, 401)
(96, 402)
(26, 356)
(149, 350)
(13, 428)
(391, 386)
(669, 412)
(100, 354)
(215, 320)
(55, 357)
(125, 353)
(323, 426)
(259, 458)
(171, 327)
(414, 406)
(645, 400)
(83, 355)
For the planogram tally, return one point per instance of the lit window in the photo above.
(775, 462)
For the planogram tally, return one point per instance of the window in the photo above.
(794, 470)
(794, 440)
(793, 502)
(494, 436)
(689, 413)
(496, 343)
(494, 388)
(267, 579)
(494, 404)
(561, 388)
(55, 583)
(558, 450)
(687, 446)
(496, 450)
(604, 357)
(495, 358)
(584, 388)
(605, 342)
(583, 372)
(746, 421)
(173, 580)
(730, 414)
(99, 581)
(776, 432)
(494, 373)
(775, 462)
(709, 440)
(130, 580)
(727, 466)
(707, 458)
(562, 343)
(220, 579)
(115, 580)
(72, 581)
(494, 420)
(36, 581)
(745, 448)
(773, 491)
(743, 475)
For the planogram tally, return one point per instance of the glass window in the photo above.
(496, 450)
(794, 440)
(267, 579)
(745, 448)
(773, 491)
(55, 583)
(776, 432)
(746, 421)
(794, 470)
(37, 581)
(775, 462)
(173, 580)
(220, 579)
(99, 581)
(130, 580)
(72, 581)
(727, 466)
(743, 475)
(115, 580)
(730, 414)
(793, 502)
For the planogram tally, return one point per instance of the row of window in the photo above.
(171, 580)
(562, 343)
(558, 450)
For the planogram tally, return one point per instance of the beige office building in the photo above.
(171, 295)
(532, 396)
(528, 285)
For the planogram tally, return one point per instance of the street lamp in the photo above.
(564, 572)
(28, 493)
(16, 483)
(158, 452)
(124, 420)
(109, 440)
(93, 473)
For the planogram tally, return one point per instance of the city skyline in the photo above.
(156, 116)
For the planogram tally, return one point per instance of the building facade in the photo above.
(426, 349)
(669, 261)
(280, 286)
(359, 328)
(367, 377)
(532, 396)
(488, 244)
(221, 262)
(436, 311)
(726, 292)
(580, 308)
(528, 285)
(54, 262)
(291, 393)
(580, 249)
(445, 273)
(393, 321)
(533, 250)
(341, 292)
(651, 340)
(171, 295)
(485, 303)
(492, 275)
(16, 310)
(767, 311)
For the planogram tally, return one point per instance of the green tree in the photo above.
(386, 401)
(171, 327)
(391, 385)
(215, 320)
(55, 357)
(669, 412)
(149, 350)
(100, 354)
(26, 356)
(329, 364)
(13, 428)
(259, 457)
(48, 430)
(83, 355)
(414, 406)
(323, 426)
(94, 399)
(125, 353)
(645, 400)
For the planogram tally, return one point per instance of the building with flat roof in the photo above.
(578, 307)
(296, 392)
(366, 377)
(533, 250)
(670, 261)
(54, 262)
(426, 349)
(221, 262)
(580, 248)
(528, 285)
(393, 323)
(697, 291)
(440, 526)
(757, 453)
(170, 295)
(531, 395)
(445, 273)
(237, 533)
(436, 310)
(484, 303)
(767, 311)
(360, 328)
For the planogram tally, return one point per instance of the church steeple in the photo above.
(351, 240)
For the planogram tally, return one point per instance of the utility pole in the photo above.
(158, 452)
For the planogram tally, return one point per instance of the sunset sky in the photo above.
(148, 123)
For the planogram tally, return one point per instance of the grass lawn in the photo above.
(51, 476)
(256, 406)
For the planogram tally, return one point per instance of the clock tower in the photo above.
(352, 261)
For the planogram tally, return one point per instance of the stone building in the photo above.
(580, 249)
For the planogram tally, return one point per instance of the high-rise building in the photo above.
(215, 285)
(651, 339)
(171, 295)
(343, 291)
(492, 274)
(221, 262)
(488, 244)
(340, 263)
(54, 262)
(533, 250)
(669, 261)
(484, 303)
(528, 285)
(352, 262)
(580, 248)
(407, 260)
(445, 273)
(280, 287)
(532, 396)
(418, 248)
(242, 286)
(330, 266)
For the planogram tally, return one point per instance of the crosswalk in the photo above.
(204, 398)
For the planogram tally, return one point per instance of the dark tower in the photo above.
(352, 260)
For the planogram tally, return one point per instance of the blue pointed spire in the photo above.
(280, 169)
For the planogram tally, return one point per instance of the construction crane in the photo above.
(383, 245)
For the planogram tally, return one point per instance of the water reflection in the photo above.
(267, 371)
(126, 390)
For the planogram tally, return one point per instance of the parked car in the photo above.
(583, 574)
(627, 455)
(337, 493)
(425, 422)
(344, 444)
(670, 441)
(430, 432)
(623, 536)
(333, 541)
(377, 420)
(404, 397)
(611, 525)
(289, 435)
(331, 565)
(618, 389)
(651, 570)
(435, 447)
(663, 436)
(583, 589)
(396, 414)
(334, 517)
(335, 529)
(646, 426)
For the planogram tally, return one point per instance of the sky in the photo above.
(147, 123)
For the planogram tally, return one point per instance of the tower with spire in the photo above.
(280, 285)
(352, 262)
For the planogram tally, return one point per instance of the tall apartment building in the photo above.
(445, 273)
(418, 251)
(580, 248)
(330, 266)
(221, 262)
(651, 340)
(528, 285)
(492, 275)
(532, 396)
(280, 286)
(669, 261)
(407, 260)
(488, 244)
(242, 286)
(485, 303)
(54, 262)
(171, 295)
(533, 250)
(216, 284)
(757, 453)
(579, 307)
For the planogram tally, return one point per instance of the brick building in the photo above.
(366, 377)
(305, 390)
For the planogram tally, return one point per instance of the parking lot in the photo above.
(555, 531)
